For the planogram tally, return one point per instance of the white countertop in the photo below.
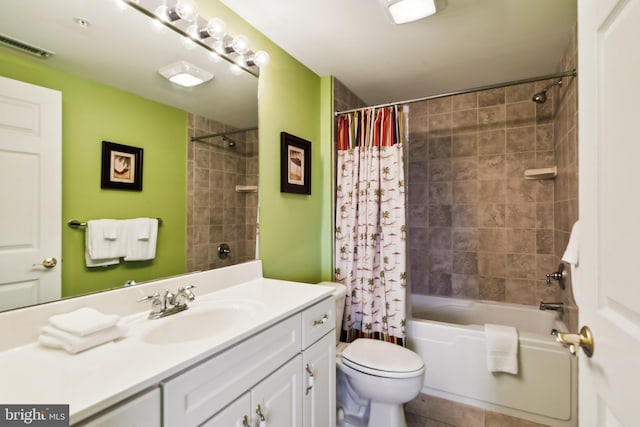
(97, 378)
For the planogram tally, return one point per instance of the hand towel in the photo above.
(141, 228)
(572, 253)
(502, 348)
(83, 321)
(56, 338)
(141, 239)
(101, 246)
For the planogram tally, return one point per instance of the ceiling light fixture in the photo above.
(185, 74)
(404, 11)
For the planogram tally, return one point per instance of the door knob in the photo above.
(584, 340)
(47, 263)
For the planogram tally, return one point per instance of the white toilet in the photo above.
(374, 378)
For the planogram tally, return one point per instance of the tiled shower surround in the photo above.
(477, 227)
(216, 212)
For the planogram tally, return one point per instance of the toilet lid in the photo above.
(382, 359)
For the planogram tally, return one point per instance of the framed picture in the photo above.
(121, 167)
(295, 164)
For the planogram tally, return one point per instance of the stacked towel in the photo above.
(80, 330)
(502, 348)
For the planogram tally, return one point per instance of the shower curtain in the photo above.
(370, 224)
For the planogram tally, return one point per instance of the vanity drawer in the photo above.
(194, 396)
(317, 321)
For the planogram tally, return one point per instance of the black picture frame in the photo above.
(121, 167)
(295, 164)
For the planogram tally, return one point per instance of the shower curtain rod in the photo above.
(213, 135)
(570, 73)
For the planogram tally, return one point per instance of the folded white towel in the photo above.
(83, 321)
(142, 237)
(572, 252)
(104, 239)
(502, 348)
(90, 262)
(141, 228)
(110, 229)
(56, 338)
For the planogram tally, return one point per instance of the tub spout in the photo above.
(555, 306)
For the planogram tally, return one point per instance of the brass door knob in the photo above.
(47, 263)
(583, 340)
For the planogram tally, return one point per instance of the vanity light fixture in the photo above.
(404, 11)
(185, 74)
(181, 17)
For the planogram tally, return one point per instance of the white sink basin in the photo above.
(202, 320)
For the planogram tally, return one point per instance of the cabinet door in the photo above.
(319, 383)
(279, 397)
(140, 411)
(233, 415)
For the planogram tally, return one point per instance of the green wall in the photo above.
(91, 113)
(295, 230)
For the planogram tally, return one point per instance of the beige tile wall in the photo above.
(216, 213)
(566, 184)
(477, 228)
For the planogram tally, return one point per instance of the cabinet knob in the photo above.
(322, 321)
(245, 422)
(310, 379)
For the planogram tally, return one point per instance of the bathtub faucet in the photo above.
(555, 306)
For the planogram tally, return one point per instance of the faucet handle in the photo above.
(149, 297)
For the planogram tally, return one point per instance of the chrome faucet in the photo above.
(555, 306)
(169, 303)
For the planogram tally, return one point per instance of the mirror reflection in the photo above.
(105, 64)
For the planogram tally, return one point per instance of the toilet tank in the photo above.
(339, 294)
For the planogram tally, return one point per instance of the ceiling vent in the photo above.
(24, 47)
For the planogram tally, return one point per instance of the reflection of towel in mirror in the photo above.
(142, 236)
(502, 348)
(57, 338)
(104, 242)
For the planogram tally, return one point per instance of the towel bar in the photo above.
(74, 223)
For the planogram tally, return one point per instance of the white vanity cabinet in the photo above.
(139, 411)
(288, 370)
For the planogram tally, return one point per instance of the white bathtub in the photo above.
(448, 334)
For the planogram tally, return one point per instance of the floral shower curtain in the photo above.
(370, 224)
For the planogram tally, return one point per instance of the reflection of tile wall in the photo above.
(344, 98)
(477, 228)
(216, 213)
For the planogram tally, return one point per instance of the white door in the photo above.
(30, 193)
(608, 279)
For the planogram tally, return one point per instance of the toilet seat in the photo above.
(382, 359)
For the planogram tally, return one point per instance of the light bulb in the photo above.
(184, 9)
(261, 58)
(235, 69)
(218, 46)
(240, 44)
(162, 13)
(188, 43)
(214, 57)
(215, 28)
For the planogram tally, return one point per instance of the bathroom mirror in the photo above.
(111, 43)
